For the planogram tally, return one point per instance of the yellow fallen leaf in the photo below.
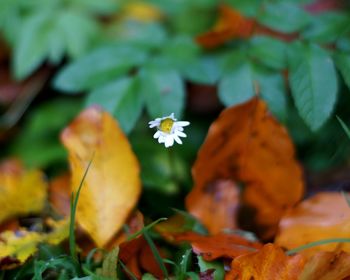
(21, 192)
(112, 186)
(18, 246)
(141, 11)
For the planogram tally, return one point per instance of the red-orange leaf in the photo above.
(218, 246)
(268, 263)
(247, 145)
(231, 24)
(59, 194)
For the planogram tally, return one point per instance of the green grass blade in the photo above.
(149, 226)
(317, 243)
(346, 196)
(73, 209)
(127, 270)
(184, 263)
(344, 126)
(156, 254)
(89, 258)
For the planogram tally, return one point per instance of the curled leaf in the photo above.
(246, 145)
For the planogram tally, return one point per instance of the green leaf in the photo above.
(219, 273)
(205, 70)
(237, 86)
(78, 30)
(163, 91)
(156, 254)
(249, 8)
(273, 90)
(98, 68)
(343, 44)
(148, 276)
(101, 7)
(141, 34)
(313, 81)
(180, 51)
(327, 27)
(284, 16)
(342, 61)
(122, 98)
(270, 52)
(33, 43)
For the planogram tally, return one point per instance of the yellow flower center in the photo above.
(166, 125)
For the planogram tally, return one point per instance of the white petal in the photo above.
(177, 139)
(179, 128)
(169, 141)
(161, 139)
(172, 116)
(157, 134)
(153, 123)
(182, 123)
(181, 134)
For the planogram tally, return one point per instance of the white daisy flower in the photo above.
(168, 130)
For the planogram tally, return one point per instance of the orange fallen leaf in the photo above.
(59, 194)
(323, 216)
(231, 24)
(112, 186)
(247, 145)
(134, 224)
(268, 263)
(218, 246)
(9, 225)
(220, 200)
(327, 266)
(22, 192)
(137, 255)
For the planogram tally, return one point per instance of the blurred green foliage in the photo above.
(132, 64)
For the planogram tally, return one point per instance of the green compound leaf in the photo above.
(245, 80)
(268, 51)
(122, 98)
(98, 68)
(205, 70)
(78, 30)
(237, 86)
(164, 92)
(313, 83)
(327, 27)
(273, 90)
(33, 43)
(283, 16)
(249, 8)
